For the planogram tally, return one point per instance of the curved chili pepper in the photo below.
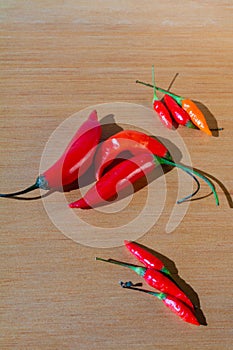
(155, 279)
(160, 108)
(147, 258)
(189, 106)
(178, 113)
(127, 140)
(121, 175)
(74, 161)
(129, 171)
(117, 178)
(174, 304)
(152, 144)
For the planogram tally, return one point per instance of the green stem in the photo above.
(177, 98)
(26, 190)
(138, 269)
(217, 129)
(129, 285)
(192, 194)
(161, 160)
(155, 97)
(40, 183)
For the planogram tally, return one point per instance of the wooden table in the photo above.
(60, 58)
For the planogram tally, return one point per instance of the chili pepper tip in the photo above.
(126, 242)
(93, 115)
(80, 204)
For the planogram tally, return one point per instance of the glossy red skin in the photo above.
(163, 113)
(155, 146)
(78, 155)
(178, 113)
(116, 180)
(127, 140)
(144, 256)
(158, 280)
(180, 309)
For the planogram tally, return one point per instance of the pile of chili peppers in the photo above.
(157, 276)
(145, 152)
(174, 109)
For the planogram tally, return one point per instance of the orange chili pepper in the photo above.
(196, 115)
(189, 106)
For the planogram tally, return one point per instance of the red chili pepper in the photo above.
(163, 113)
(117, 178)
(155, 279)
(152, 144)
(129, 171)
(74, 161)
(173, 303)
(161, 109)
(147, 258)
(189, 106)
(127, 140)
(178, 113)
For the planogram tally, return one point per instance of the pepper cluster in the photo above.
(174, 109)
(158, 276)
(145, 151)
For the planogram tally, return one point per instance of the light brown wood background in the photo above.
(58, 57)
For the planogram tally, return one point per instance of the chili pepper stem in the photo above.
(40, 183)
(130, 285)
(138, 269)
(190, 125)
(161, 160)
(166, 271)
(176, 97)
(155, 97)
(192, 194)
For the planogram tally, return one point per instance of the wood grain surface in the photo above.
(59, 58)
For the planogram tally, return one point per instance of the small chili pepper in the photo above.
(124, 173)
(178, 113)
(74, 161)
(155, 279)
(129, 171)
(173, 303)
(127, 140)
(189, 106)
(160, 108)
(145, 257)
